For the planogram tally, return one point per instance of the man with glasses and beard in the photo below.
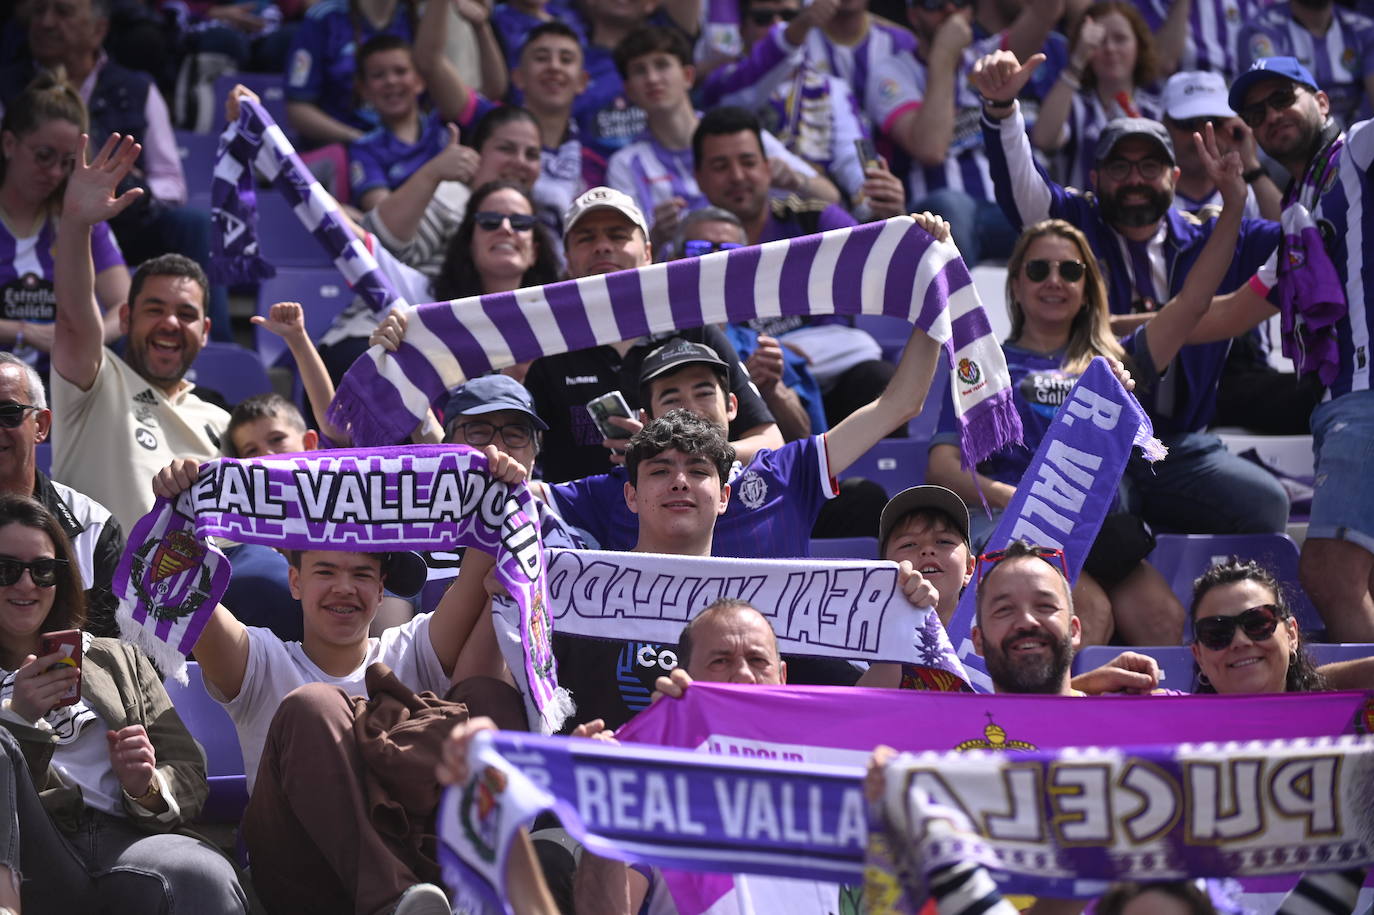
(1320, 281)
(1146, 248)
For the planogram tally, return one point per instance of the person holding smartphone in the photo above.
(103, 779)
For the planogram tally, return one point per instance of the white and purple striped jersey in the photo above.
(1212, 33)
(564, 173)
(652, 174)
(1087, 116)
(1340, 60)
(1347, 223)
(812, 112)
(901, 87)
(855, 64)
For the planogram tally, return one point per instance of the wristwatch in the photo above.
(1253, 175)
(152, 792)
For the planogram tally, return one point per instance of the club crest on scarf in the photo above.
(170, 576)
(969, 372)
(994, 738)
(480, 811)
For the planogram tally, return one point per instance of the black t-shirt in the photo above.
(561, 386)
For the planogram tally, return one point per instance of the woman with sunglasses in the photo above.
(1112, 61)
(1059, 323)
(37, 144)
(101, 783)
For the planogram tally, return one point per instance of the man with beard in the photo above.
(1025, 627)
(1319, 280)
(117, 421)
(1146, 248)
(1335, 43)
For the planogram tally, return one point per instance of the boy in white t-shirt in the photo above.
(310, 826)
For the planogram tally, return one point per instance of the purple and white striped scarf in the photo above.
(885, 268)
(255, 141)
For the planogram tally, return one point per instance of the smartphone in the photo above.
(868, 155)
(67, 642)
(608, 405)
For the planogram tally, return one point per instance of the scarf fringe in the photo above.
(988, 428)
(165, 657)
(351, 409)
(557, 711)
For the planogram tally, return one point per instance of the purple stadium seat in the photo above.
(197, 153)
(233, 371)
(891, 333)
(1176, 661)
(893, 463)
(321, 291)
(210, 725)
(42, 455)
(283, 240)
(844, 548)
(1180, 558)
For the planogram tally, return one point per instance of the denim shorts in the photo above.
(1343, 441)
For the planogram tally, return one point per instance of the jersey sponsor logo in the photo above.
(752, 489)
(300, 68)
(28, 298)
(145, 438)
(1045, 392)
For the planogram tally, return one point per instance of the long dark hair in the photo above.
(69, 604)
(47, 98)
(1302, 676)
(458, 278)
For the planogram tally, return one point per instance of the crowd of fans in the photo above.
(1125, 161)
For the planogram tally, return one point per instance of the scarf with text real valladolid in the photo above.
(892, 268)
(421, 497)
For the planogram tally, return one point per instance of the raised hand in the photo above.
(231, 104)
(285, 319)
(1089, 40)
(474, 11)
(1000, 76)
(953, 35)
(882, 191)
(765, 364)
(918, 590)
(177, 477)
(90, 196)
(455, 162)
(933, 223)
(452, 768)
(390, 332)
(133, 759)
(1225, 169)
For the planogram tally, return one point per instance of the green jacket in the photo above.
(118, 681)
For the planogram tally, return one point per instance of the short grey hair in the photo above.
(705, 214)
(32, 380)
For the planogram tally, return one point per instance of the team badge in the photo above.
(753, 491)
(539, 648)
(170, 575)
(480, 811)
(969, 373)
(994, 738)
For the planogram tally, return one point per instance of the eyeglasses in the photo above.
(934, 6)
(698, 247)
(47, 157)
(768, 17)
(1217, 632)
(519, 222)
(992, 558)
(42, 571)
(1120, 169)
(12, 414)
(1038, 270)
(515, 435)
(1254, 114)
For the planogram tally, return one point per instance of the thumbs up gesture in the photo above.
(455, 162)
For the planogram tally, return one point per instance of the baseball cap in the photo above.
(1123, 128)
(488, 394)
(1269, 68)
(676, 353)
(919, 497)
(604, 198)
(1196, 94)
(404, 573)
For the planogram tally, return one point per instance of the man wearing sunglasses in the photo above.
(1320, 281)
(1146, 249)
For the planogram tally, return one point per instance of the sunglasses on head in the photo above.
(1217, 632)
(1254, 114)
(520, 222)
(42, 571)
(993, 558)
(1038, 270)
(12, 414)
(699, 247)
(768, 17)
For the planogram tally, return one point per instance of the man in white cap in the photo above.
(604, 231)
(1192, 99)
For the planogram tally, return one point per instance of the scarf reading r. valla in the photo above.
(892, 268)
(428, 497)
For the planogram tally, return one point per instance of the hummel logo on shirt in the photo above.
(581, 379)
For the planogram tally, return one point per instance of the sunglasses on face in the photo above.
(519, 222)
(42, 571)
(768, 17)
(1120, 169)
(1038, 270)
(992, 558)
(697, 247)
(515, 435)
(1254, 114)
(1194, 125)
(12, 414)
(1217, 632)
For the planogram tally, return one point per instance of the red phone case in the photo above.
(69, 642)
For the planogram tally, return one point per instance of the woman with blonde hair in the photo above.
(1060, 322)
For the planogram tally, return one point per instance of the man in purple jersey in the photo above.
(1319, 281)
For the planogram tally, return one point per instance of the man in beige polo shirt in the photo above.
(117, 421)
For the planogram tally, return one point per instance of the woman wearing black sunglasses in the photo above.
(100, 785)
(499, 246)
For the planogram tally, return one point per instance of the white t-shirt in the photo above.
(275, 668)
